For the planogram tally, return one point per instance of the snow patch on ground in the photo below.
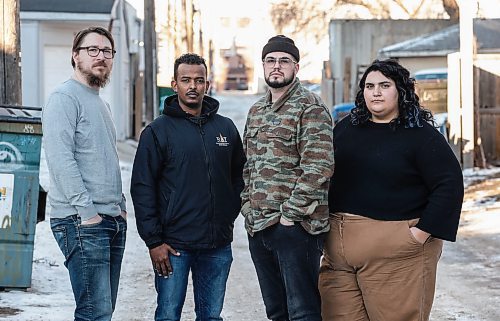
(474, 175)
(50, 297)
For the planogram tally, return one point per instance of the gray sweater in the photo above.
(79, 139)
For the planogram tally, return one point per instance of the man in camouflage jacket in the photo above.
(289, 149)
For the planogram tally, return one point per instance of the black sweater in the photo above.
(187, 178)
(394, 175)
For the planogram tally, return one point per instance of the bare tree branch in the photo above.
(413, 13)
(299, 17)
(416, 11)
(402, 6)
(308, 18)
(382, 9)
(451, 8)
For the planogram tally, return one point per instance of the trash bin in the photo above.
(20, 144)
(163, 93)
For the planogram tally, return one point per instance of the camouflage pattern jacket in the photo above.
(289, 148)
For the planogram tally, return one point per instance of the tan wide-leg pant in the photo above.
(377, 271)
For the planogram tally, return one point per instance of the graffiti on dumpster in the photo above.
(11, 155)
(6, 197)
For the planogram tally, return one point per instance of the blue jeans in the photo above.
(93, 256)
(287, 260)
(209, 269)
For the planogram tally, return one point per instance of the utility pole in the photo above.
(187, 21)
(200, 34)
(467, 11)
(151, 107)
(10, 53)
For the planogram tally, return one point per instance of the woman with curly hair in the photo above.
(395, 195)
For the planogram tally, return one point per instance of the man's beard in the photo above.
(93, 80)
(193, 105)
(278, 83)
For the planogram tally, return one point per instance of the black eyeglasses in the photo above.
(94, 51)
(283, 62)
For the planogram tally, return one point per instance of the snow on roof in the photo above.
(446, 40)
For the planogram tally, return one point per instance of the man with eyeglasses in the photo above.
(88, 213)
(288, 144)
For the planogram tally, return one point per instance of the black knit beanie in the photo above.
(281, 43)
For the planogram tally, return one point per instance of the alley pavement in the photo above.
(468, 286)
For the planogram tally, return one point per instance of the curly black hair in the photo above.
(189, 59)
(411, 113)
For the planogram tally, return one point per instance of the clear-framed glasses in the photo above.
(94, 51)
(284, 62)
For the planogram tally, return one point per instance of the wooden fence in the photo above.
(490, 134)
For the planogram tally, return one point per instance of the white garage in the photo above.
(47, 31)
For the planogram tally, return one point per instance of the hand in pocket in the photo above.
(93, 220)
(419, 235)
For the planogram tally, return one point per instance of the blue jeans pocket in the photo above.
(91, 225)
(93, 256)
(60, 234)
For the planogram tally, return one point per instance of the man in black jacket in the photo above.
(186, 182)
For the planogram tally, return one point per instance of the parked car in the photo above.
(339, 111)
(441, 120)
(315, 88)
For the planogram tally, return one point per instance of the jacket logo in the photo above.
(221, 140)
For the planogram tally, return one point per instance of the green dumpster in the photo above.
(163, 93)
(20, 144)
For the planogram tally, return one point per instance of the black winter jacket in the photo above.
(187, 178)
